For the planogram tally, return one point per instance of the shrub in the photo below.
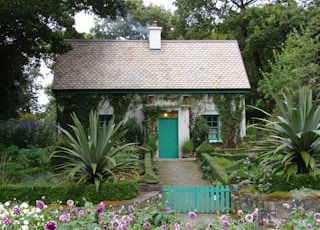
(200, 131)
(123, 190)
(148, 166)
(26, 133)
(212, 170)
(134, 133)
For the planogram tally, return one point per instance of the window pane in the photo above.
(104, 119)
(213, 123)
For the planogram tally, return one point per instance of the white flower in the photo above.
(24, 227)
(7, 204)
(286, 205)
(24, 205)
(70, 203)
(25, 222)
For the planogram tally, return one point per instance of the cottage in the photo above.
(164, 85)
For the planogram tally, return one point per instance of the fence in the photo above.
(203, 199)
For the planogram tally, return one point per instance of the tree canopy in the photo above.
(134, 25)
(31, 32)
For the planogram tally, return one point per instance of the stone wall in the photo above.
(272, 210)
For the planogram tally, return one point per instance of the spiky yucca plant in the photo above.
(95, 156)
(293, 136)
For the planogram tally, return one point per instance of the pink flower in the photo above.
(249, 218)
(40, 204)
(192, 215)
(176, 226)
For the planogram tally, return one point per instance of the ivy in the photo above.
(80, 104)
(151, 114)
(230, 111)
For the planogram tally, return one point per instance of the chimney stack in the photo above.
(155, 36)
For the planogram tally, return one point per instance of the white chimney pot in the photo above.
(155, 37)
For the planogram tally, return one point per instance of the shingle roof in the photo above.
(126, 65)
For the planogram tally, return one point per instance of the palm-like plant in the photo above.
(95, 156)
(293, 136)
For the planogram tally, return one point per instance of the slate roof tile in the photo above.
(112, 64)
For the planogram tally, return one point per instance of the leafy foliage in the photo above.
(134, 26)
(292, 143)
(31, 32)
(297, 64)
(95, 155)
(26, 133)
(200, 131)
(134, 133)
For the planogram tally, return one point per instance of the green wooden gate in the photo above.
(203, 199)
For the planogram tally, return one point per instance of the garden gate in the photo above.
(203, 199)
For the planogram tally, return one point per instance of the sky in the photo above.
(84, 22)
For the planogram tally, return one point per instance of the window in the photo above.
(104, 119)
(213, 123)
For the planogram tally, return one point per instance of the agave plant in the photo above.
(293, 136)
(95, 156)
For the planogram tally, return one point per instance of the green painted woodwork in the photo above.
(168, 137)
(203, 199)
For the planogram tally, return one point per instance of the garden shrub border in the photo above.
(149, 174)
(122, 190)
(216, 171)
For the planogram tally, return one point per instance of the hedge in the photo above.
(122, 190)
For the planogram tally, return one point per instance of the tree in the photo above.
(135, 25)
(298, 63)
(260, 31)
(31, 32)
(201, 17)
(292, 143)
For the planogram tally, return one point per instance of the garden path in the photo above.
(183, 172)
(180, 172)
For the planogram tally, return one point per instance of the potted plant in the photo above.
(187, 148)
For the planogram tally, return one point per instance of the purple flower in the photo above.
(223, 218)
(130, 208)
(64, 218)
(16, 210)
(176, 226)
(123, 227)
(188, 226)
(317, 215)
(251, 154)
(309, 226)
(99, 208)
(6, 221)
(146, 226)
(40, 204)
(115, 224)
(192, 215)
(225, 223)
(262, 223)
(164, 225)
(111, 215)
(50, 225)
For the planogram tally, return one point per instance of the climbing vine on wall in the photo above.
(151, 114)
(230, 109)
(121, 103)
(81, 104)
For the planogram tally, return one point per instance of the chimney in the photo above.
(155, 36)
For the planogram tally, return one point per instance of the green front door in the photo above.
(168, 137)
